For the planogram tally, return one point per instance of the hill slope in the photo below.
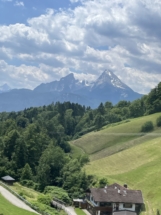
(6, 208)
(139, 167)
(116, 137)
(122, 154)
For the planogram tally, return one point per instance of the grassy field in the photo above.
(122, 154)
(29, 194)
(139, 167)
(115, 138)
(76, 151)
(6, 208)
(79, 211)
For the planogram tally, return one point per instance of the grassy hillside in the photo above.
(115, 137)
(39, 200)
(29, 194)
(124, 155)
(139, 167)
(6, 208)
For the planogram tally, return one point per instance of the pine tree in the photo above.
(26, 173)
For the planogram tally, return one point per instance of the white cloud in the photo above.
(74, 1)
(19, 4)
(25, 76)
(120, 35)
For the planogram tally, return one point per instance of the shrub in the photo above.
(148, 126)
(58, 193)
(22, 195)
(158, 212)
(103, 182)
(30, 184)
(159, 121)
(44, 199)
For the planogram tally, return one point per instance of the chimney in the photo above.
(125, 185)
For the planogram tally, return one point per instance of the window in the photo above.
(127, 205)
(105, 204)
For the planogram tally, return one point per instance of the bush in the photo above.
(58, 193)
(159, 121)
(148, 126)
(44, 209)
(103, 182)
(45, 199)
(158, 212)
(22, 195)
(30, 184)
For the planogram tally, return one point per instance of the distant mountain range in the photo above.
(108, 87)
(4, 88)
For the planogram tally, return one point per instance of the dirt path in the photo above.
(69, 210)
(14, 200)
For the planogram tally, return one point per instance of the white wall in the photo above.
(121, 207)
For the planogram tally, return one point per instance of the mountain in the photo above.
(4, 88)
(108, 87)
(66, 84)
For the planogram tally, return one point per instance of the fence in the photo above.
(56, 203)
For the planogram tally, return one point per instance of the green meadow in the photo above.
(79, 211)
(116, 137)
(139, 167)
(6, 208)
(122, 154)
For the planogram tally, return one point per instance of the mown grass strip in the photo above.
(6, 208)
(139, 167)
(114, 138)
(79, 211)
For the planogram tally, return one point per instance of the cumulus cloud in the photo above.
(119, 35)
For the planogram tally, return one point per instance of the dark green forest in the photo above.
(34, 146)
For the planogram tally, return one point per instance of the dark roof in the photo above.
(118, 194)
(124, 213)
(116, 185)
(8, 178)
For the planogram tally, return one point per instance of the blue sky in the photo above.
(42, 41)
(12, 11)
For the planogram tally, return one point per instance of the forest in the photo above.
(34, 143)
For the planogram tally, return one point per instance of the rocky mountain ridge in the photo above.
(108, 87)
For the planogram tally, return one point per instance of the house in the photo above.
(114, 200)
(8, 180)
(79, 203)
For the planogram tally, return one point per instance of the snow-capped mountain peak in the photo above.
(108, 87)
(108, 77)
